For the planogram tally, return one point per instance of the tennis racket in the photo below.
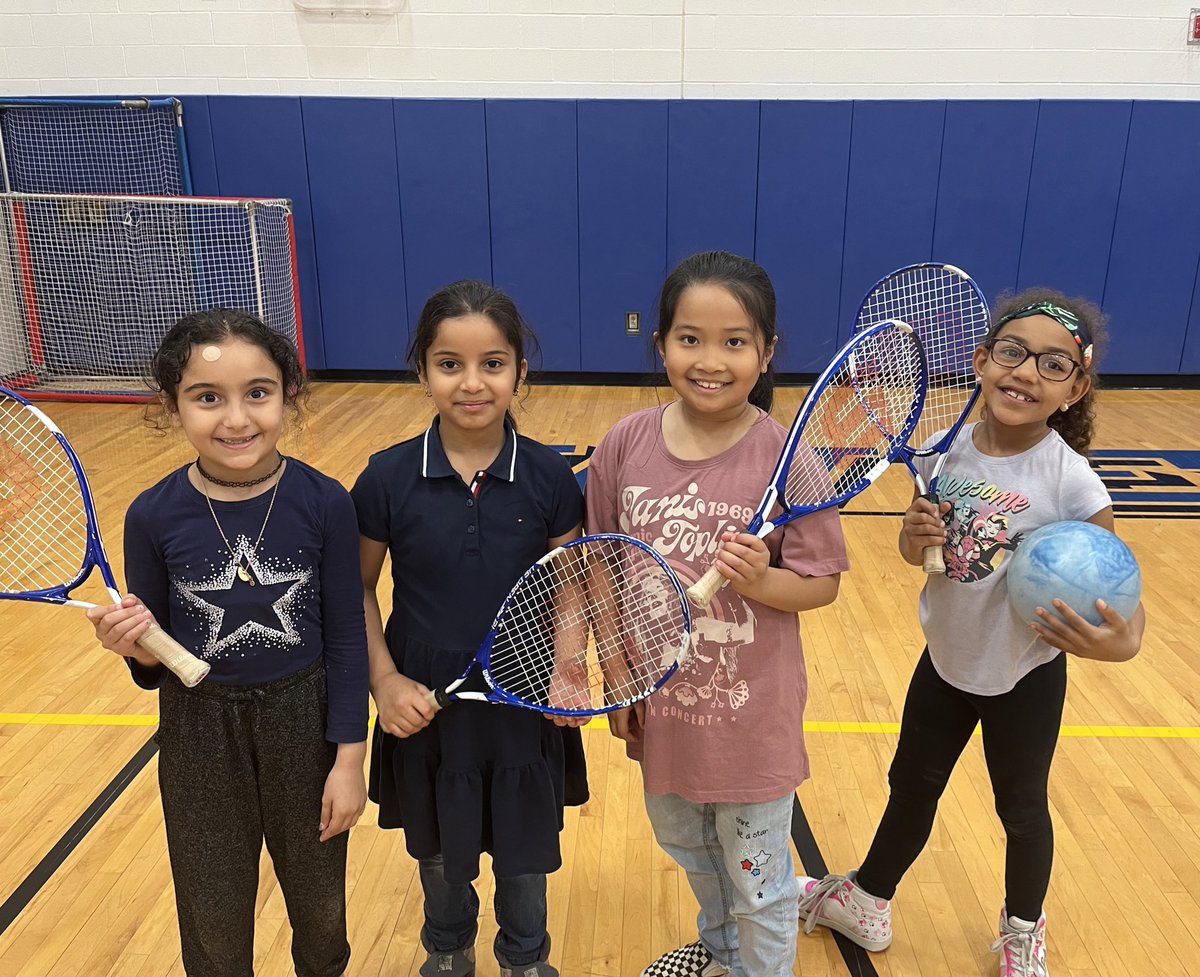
(49, 537)
(593, 626)
(950, 316)
(850, 427)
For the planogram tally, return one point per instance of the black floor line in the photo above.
(44, 869)
(858, 961)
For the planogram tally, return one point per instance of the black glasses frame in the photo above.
(1037, 360)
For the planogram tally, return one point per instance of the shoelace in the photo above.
(1021, 945)
(812, 903)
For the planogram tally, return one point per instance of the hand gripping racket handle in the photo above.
(931, 559)
(438, 699)
(190, 669)
(705, 589)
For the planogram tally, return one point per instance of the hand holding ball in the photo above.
(1077, 562)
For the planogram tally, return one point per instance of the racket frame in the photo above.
(932, 560)
(439, 698)
(190, 669)
(702, 592)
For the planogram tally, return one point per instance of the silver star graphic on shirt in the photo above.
(285, 607)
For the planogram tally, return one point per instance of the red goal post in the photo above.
(90, 283)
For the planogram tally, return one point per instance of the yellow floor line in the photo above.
(72, 719)
(813, 726)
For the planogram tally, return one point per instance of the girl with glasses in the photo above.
(1021, 466)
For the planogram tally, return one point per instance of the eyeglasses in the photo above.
(1010, 354)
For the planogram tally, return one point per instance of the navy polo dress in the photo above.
(480, 777)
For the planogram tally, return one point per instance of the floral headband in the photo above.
(1068, 320)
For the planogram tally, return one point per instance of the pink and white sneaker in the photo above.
(1022, 947)
(839, 904)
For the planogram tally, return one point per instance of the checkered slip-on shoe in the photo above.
(692, 960)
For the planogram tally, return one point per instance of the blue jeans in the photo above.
(738, 861)
(452, 915)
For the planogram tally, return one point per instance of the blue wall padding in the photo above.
(622, 229)
(201, 159)
(533, 191)
(803, 165)
(1191, 346)
(441, 154)
(712, 177)
(895, 153)
(987, 150)
(579, 208)
(350, 145)
(259, 149)
(1155, 245)
(1073, 192)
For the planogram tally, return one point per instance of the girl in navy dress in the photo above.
(248, 559)
(463, 509)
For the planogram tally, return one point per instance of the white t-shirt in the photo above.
(976, 640)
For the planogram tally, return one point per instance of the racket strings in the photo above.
(869, 404)
(599, 624)
(950, 318)
(43, 524)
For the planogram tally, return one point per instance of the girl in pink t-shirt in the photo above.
(722, 744)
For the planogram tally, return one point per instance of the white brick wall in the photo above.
(606, 48)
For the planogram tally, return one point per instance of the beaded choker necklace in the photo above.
(254, 481)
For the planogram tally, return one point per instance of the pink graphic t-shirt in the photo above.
(727, 727)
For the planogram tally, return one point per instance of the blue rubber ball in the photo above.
(1077, 562)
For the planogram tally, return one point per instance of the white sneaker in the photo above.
(839, 904)
(1022, 947)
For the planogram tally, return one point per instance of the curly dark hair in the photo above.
(216, 326)
(1076, 425)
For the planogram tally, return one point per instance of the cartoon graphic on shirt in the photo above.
(265, 614)
(682, 528)
(978, 538)
(713, 664)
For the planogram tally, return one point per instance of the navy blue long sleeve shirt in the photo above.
(307, 599)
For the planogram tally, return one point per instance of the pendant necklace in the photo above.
(243, 569)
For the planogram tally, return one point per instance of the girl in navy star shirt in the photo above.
(463, 510)
(250, 560)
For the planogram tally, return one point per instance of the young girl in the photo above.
(1022, 466)
(722, 745)
(249, 559)
(463, 510)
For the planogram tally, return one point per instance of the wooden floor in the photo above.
(1125, 792)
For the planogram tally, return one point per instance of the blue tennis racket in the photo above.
(49, 536)
(950, 316)
(593, 626)
(853, 423)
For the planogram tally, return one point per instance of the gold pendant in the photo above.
(244, 575)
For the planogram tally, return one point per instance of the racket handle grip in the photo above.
(705, 589)
(438, 699)
(931, 558)
(190, 669)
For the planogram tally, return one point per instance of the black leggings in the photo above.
(1020, 732)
